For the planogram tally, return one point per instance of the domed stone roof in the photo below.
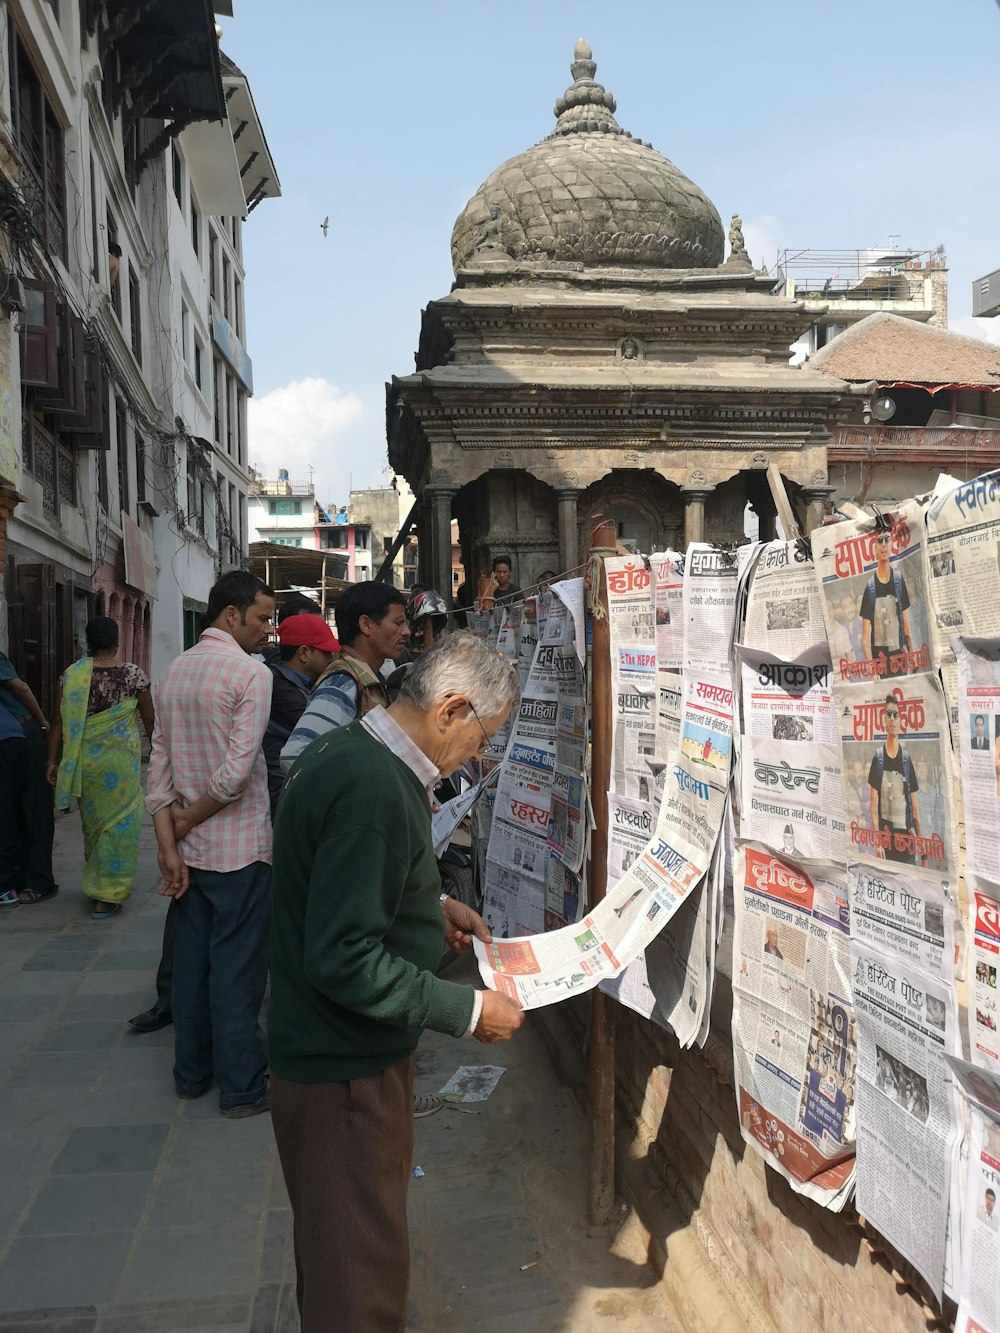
(589, 193)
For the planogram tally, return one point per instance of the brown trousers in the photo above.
(346, 1151)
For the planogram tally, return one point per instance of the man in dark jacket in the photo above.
(306, 646)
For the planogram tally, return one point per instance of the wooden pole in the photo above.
(790, 528)
(602, 1026)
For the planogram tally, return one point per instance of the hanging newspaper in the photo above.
(633, 676)
(509, 638)
(788, 701)
(540, 797)
(963, 548)
(793, 1022)
(903, 914)
(979, 1283)
(907, 1024)
(539, 971)
(796, 807)
(784, 616)
(709, 607)
(527, 639)
(875, 597)
(894, 737)
(542, 969)
(979, 750)
(668, 595)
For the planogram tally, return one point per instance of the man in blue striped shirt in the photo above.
(372, 626)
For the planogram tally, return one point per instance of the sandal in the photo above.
(28, 896)
(110, 909)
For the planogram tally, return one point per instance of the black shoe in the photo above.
(262, 1104)
(152, 1020)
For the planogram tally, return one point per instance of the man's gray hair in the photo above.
(461, 663)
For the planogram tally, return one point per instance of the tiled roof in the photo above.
(893, 350)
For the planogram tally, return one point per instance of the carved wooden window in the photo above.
(121, 443)
(39, 139)
(39, 363)
(67, 394)
(90, 427)
(52, 465)
(135, 312)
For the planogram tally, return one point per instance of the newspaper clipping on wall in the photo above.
(784, 615)
(907, 1023)
(709, 607)
(793, 1021)
(540, 803)
(984, 1040)
(979, 751)
(979, 1282)
(894, 736)
(633, 675)
(963, 550)
(875, 597)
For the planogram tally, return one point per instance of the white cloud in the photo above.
(988, 330)
(312, 423)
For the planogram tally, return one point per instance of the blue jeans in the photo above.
(223, 932)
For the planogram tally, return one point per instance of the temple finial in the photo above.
(585, 107)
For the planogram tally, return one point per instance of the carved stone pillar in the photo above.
(569, 540)
(695, 498)
(815, 498)
(439, 500)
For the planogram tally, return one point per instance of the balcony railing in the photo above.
(899, 443)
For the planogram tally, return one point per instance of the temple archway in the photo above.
(647, 511)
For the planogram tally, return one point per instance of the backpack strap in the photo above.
(371, 688)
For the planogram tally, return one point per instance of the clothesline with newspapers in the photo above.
(799, 729)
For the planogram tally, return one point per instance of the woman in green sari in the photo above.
(96, 727)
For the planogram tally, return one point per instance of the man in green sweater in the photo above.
(358, 927)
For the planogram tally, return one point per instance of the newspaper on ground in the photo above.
(907, 1127)
(979, 1280)
(472, 1083)
(793, 1021)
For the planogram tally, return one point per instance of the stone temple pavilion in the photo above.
(598, 356)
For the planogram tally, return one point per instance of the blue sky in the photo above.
(824, 126)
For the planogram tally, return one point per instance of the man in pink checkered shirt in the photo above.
(207, 793)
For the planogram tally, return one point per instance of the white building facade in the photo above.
(105, 299)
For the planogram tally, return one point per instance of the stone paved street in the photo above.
(123, 1209)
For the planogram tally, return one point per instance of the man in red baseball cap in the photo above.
(307, 646)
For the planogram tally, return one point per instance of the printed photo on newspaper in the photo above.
(784, 613)
(896, 786)
(907, 1124)
(875, 598)
(793, 1021)
(979, 1282)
